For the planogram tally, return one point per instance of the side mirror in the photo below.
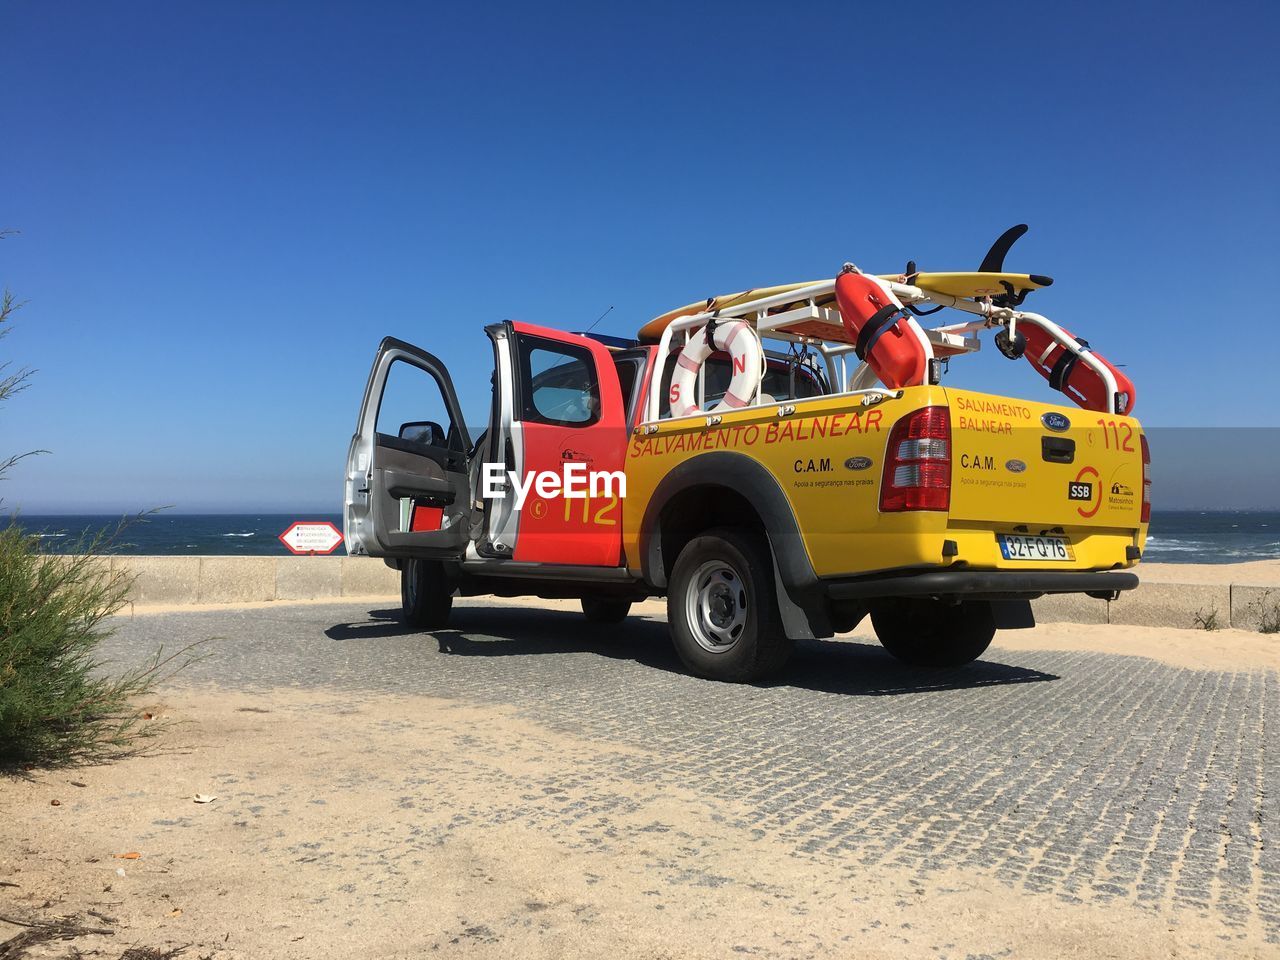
(424, 431)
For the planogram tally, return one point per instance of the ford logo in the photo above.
(1015, 466)
(857, 463)
(1056, 422)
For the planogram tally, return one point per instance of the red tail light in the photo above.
(1146, 480)
(917, 466)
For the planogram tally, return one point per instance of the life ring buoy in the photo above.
(735, 338)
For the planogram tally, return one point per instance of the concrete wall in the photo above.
(190, 580)
(182, 580)
(1158, 603)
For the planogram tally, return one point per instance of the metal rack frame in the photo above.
(957, 338)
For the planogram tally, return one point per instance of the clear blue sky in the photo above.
(223, 207)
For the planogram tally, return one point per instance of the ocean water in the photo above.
(1211, 536)
(165, 534)
(1176, 537)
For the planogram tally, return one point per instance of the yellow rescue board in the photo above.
(978, 284)
(952, 284)
(653, 329)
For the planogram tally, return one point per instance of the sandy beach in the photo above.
(1252, 572)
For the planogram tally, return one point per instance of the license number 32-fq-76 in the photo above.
(1015, 547)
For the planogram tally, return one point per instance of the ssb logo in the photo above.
(1081, 489)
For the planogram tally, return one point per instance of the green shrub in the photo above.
(1207, 621)
(56, 703)
(1267, 609)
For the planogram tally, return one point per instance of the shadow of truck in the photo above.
(852, 667)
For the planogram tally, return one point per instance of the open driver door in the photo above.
(407, 492)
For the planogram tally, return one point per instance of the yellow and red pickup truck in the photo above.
(788, 494)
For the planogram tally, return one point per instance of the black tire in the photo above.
(605, 609)
(722, 610)
(934, 633)
(426, 596)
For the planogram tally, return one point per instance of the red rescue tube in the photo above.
(881, 330)
(1066, 372)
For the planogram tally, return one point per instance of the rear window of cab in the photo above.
(782, 381)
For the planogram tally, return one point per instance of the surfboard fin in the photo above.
(993, 262)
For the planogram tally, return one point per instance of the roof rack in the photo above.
(807, 315)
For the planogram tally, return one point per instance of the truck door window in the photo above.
(558, 383)
(413, 412)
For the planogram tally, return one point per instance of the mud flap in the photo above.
(796, 622)
(1012, 614)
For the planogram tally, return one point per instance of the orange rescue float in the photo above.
(1066, 372)
(882, 331)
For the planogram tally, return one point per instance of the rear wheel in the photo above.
(426, 596)
(722, 610)
(934, 633)
(605, 610)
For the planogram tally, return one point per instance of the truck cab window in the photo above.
(776, 382)
(558, 383)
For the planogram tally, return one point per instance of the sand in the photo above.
(1252, 573)
(421, 830)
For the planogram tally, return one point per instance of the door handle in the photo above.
(400, 485)
(1058, 449)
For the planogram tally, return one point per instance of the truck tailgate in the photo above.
(1016, 462)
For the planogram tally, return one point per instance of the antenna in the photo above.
(598, 319)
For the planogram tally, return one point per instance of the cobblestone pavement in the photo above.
(1087, 776)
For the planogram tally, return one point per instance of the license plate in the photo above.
(1018, 547)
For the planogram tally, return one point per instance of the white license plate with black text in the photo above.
(1015, 546)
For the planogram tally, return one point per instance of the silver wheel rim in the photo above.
(716, 603)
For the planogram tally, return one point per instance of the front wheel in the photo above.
(426, 597)
(934, 633)
(722, 609)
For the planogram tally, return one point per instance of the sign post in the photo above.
(312, 538)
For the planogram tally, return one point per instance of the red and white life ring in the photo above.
(735, 338)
